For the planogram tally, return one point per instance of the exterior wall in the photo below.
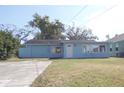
(79, 53)
(38, 51)
(121, 48)
(64, 50)
(112, 46)
(24, 52)
(34, 51)
(120, 51)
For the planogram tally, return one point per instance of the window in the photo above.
(102, 48)
(56, 50)
(110, 49)
(116, 48)
(69, 45)
(90, 48)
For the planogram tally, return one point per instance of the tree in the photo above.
(21, 33)
(38, 36)
(8, 44)
(11, 38)
(77, 33)
(48, 30)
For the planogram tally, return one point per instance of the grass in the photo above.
(83, 73)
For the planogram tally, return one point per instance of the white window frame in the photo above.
(84, 48)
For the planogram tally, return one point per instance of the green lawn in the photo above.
(83, 73)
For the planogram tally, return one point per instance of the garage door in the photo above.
(40, 51)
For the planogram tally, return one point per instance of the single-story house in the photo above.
(64, 49)
(116, 45)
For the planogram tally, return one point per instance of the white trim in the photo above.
(69, 50)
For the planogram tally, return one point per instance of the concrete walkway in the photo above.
(20, 74)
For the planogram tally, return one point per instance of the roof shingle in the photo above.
(34, 41)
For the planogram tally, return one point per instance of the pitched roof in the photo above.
(34, 41)
(117, 38)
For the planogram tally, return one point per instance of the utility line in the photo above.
(78, 12)
(101, 13)
(110, 8)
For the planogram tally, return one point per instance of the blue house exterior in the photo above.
(64, 49)
(116, 46)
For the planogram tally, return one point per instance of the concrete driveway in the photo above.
(20, 74)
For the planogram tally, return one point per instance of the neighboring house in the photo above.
(116, 46)
(64, 49)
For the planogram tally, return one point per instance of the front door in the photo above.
(69, 50)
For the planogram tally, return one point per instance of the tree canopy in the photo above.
(55, 30)
(77, 33)
(8, 44)
(48, 29)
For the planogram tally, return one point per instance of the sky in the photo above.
(93, 16)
